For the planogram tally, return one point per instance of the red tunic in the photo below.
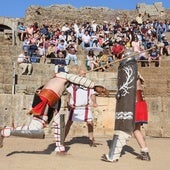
(141, 113)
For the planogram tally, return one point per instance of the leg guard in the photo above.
(33, 130)
(119, 140)
(38, 134)
(57, 134)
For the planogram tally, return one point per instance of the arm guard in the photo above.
(83, 81)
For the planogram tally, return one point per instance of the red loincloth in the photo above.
(47, 96)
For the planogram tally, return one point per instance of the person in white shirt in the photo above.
(86, 40)
(80, 101)
(24, 63)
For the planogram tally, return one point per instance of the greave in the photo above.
(57, 131)
(119, 141)
(33, 130)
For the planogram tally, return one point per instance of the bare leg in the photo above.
(90, 133)
(142, 143)
(139, 137)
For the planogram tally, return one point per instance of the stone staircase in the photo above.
(156, 79)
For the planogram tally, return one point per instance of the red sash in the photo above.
(47, 96)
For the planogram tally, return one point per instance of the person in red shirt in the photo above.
(117, 50)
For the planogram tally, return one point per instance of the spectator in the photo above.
(62, 45)
(25, 44)
(143, 57)
(91, 60)
(35, 27)
(154, 56)
(29, 30)
(24, 63)
(139, 19)
(51, 52)
(136, 45)
(166, 47)
(33, 52)
(86, 40)
(102, 60)
(117, 50)
(41, 53)
(71, 54)
(79, 36)
(21, 28)
(60, 62)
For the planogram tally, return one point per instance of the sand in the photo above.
(38, 154)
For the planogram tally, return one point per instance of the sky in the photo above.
(17, 8)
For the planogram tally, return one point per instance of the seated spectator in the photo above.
(79, 36)
(149, 43)
(62, 45)
(41, 53)
(136, 45)
(60, 62)
(33, 52)
(44, 30)
(71, 54)
(86, 40)
(62, 36)
(166, 47)
(102, 60)
(139, 19)
(71, 37)
(117, 50)
(35, 27)
(25, 44)
(154, 56)
(24, 63)
(94, 39)
(21, 28)
(143, 57)
(91, 60)
(51, 52)
(29, 30)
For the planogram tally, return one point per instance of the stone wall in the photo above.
(15, 108)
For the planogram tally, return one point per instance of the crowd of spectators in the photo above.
(61, 41)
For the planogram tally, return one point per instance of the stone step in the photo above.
(157, 87)
(155, 73)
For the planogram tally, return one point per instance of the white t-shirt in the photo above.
(86, 38)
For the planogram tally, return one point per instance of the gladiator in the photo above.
(125, 108)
